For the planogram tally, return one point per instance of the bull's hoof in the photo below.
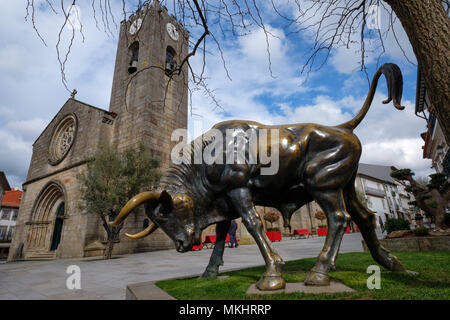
(315, 278)
(269, 283)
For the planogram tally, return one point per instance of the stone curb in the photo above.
(150, 291)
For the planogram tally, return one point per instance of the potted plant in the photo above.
(322, 229)
(274, 234)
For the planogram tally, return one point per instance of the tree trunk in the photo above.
(111, 234)
(440, 209)
(109, 249)
(438, 213)
(428, 29)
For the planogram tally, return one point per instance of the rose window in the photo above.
(62, 140)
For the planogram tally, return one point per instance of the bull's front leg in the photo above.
(242, 202)
(216, 259)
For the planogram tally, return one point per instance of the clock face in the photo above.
(172, 31)
(135, 26)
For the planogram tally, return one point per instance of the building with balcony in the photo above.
(9, 209)
(383, 194)
(435, 147)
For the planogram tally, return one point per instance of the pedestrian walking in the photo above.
(232, 233)
(381, 224)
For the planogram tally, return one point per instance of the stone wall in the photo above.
(415, 244)
(92, 130)
(74, 225)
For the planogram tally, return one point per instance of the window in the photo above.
(3, 230)
(10, 233)
(5, 214)
(134, 53)
(171, 64)
(14, 215)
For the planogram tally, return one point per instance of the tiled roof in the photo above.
(376, 171)
(12, 198)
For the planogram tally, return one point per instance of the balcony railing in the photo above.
(374, 191)
(446, 163)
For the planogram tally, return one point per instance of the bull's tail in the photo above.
(394, 81)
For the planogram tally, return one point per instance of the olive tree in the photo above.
(111, 179)
(432, 198)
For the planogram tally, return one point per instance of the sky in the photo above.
(31, 91)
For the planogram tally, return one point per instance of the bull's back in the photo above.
(310, 154)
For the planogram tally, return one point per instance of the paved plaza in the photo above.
(107, 279)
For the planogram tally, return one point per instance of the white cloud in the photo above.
(28, 130)
(256, 46)
(15, 155)
(323, 110)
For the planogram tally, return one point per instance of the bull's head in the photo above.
(173, 213)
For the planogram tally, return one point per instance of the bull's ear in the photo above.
(166, 202)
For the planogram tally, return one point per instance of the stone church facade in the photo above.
(146, 106)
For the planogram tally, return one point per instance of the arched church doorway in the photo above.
(45, 224)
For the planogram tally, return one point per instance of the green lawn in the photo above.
(432, 282)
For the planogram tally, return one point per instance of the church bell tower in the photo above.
(150, 101)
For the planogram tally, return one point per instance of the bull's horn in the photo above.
(133, 203)
(147, 231)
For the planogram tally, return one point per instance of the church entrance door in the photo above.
(58, 227)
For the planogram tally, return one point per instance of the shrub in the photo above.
(273, 229)
(271, 216)
(420, 231)
(320, 215)
(396, 225)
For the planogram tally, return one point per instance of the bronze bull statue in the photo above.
(316, 162)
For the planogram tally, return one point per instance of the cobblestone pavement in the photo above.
(107, 279)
